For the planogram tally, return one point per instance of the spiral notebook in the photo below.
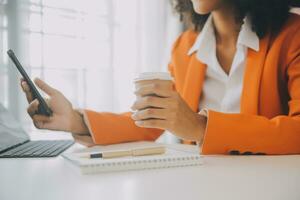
(173, 157)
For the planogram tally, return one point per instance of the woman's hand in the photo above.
(168, 111)
(64, 117)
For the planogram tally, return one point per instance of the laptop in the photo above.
(16, 143)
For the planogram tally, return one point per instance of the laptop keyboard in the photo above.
(35, 149)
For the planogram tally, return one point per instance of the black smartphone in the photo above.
(43, 108)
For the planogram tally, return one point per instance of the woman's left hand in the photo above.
(165, 109)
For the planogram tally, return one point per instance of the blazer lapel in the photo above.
(193, 83)
(252, 78)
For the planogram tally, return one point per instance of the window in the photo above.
(3, 57)
(90, 50)
(70, 47)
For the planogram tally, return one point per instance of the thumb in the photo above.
(45, 87)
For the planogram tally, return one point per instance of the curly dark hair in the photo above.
(265, 15)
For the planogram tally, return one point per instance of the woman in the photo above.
(237, 80)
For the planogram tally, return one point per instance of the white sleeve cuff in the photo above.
(86, 121)
(203, 112)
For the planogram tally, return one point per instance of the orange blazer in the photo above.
(269, 121)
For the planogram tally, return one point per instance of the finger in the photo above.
(33, 108)
(150, 113)
(48, 102)
(41, 118)
(45, 87)
(26, 90)
(41, 122)
(156, 89)
(155, 123)
(151, 101)
(84, 140)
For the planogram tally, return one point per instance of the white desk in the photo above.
(232, 178)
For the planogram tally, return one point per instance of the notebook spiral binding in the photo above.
(142, 164)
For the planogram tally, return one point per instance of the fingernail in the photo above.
(38, 124)
(133, 116)
(138, 123)
(23, 85)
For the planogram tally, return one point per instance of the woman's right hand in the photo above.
(64, 117)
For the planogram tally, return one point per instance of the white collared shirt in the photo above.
(222, 92)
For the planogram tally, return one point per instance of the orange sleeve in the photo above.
(256, 134)
(110, 128)
(249, 133)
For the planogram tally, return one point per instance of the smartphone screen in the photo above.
(43, 108)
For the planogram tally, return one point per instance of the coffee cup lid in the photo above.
(153, 75)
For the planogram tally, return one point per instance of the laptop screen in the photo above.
(11, 132)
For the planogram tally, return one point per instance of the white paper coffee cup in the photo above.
(148, 77)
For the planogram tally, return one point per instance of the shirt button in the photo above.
(260, 154)
(234, 152)
(247, 153)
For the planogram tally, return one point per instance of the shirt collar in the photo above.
(205, 44)
(207, 40)
(247, 36)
